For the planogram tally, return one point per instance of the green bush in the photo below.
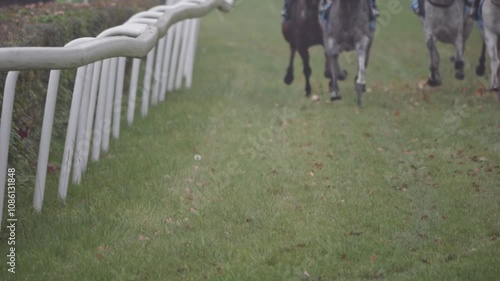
(49, 25)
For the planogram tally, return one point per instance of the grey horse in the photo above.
(491, 35)
(348, 29)
(446, 21)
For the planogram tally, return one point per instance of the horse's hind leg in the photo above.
(481, 68)
(491, 44)
(327, 73)
(434, 79)
(459, 61)
(289, 72)
(335, 70)
(341, 73)
(304, 54)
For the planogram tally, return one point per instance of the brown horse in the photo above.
(302, 32)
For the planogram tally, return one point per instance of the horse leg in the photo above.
(327, 72)
(362, 48)
(434, 79)
(459, 61)
(491, 44)
(304, 54)
(481, 68)
(289, 72)
(341, 73)
(334, 85)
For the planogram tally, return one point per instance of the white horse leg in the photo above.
(434, 79)
(361, 50)
(332, 55)
(491, 40)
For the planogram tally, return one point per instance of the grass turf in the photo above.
(406, 188)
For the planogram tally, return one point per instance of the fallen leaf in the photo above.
(143, 238)
(318, 165)
(311, 173)
(355, 233)
(188, 194)
(451, 257)
(403, 187)
(426, 261)
(51, 169)
(479, 92)
(421, 84)
(373, 258)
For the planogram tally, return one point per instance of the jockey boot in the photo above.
(285, 12)
(324, 10)
(474, 11)
(374, 14)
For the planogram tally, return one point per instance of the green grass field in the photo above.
(406, 188)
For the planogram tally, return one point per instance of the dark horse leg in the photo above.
(304, 54)
(481, 68)
(342, 75)
(459, 62)
(434, 79)
(289, 72)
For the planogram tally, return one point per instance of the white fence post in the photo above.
(43, 154)
(117, 109)
(7, 109)
(162, 34)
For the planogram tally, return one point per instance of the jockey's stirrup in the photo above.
(474, 13)
(374, 14)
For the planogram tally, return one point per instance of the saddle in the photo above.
(421, 4)
(445, 5)
(324, 14)
(495, 2)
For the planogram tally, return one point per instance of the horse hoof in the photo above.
(495, 89)
(288, 79)
(360, 88)
(343, 75)
(459, 76)
(335, 97)
(434, 82)
(480, 70)
(308, 93)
